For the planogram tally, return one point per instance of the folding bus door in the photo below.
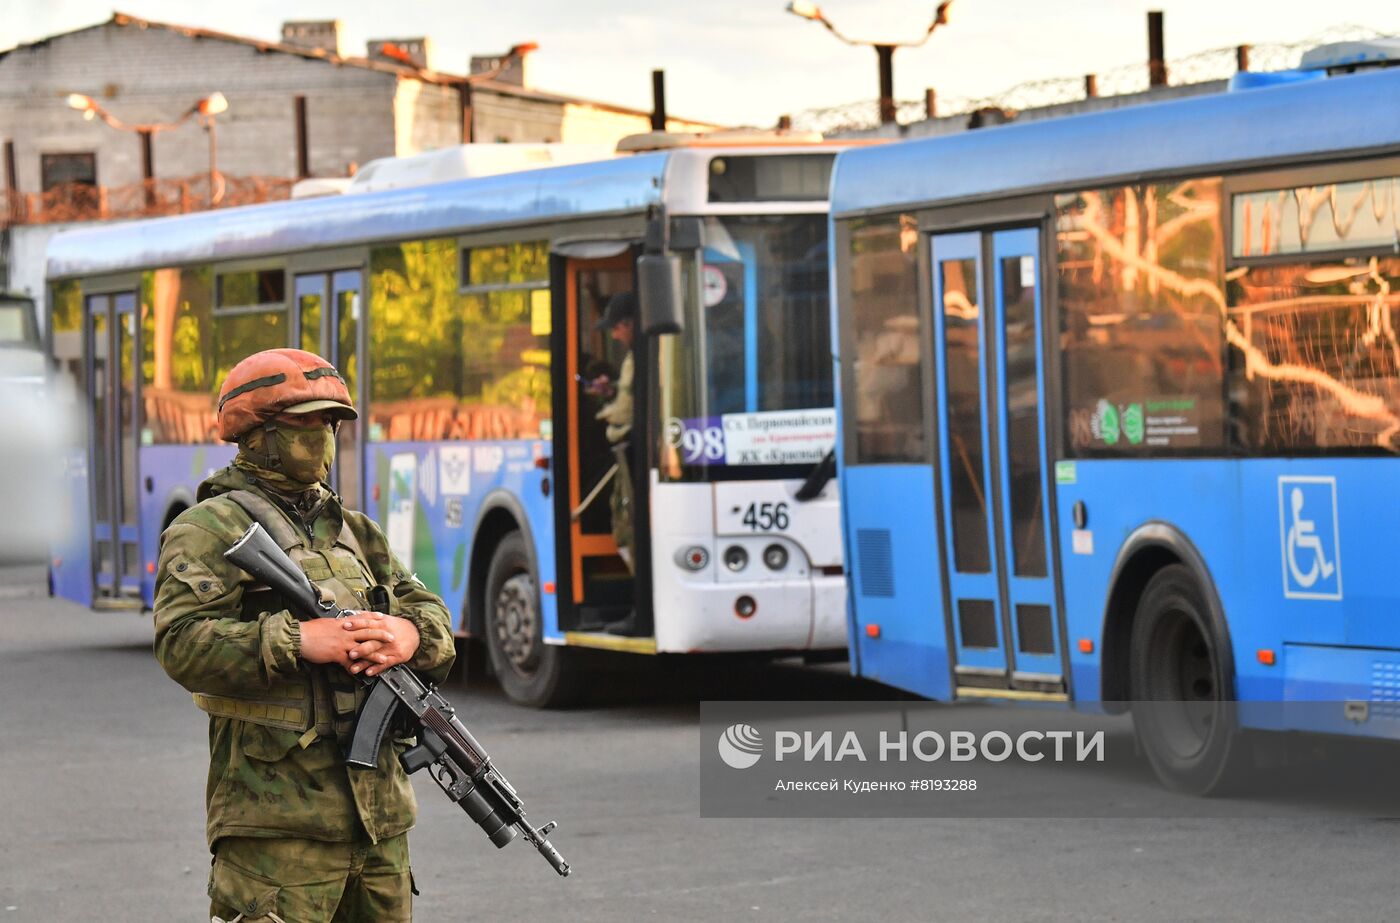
(113, 395)
(600, 584)
(328, 319)
(993, 450)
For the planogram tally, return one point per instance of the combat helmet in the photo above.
(279, 381)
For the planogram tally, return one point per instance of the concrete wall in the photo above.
(427, 116)
(354, 114)
(154, 75)
(497, 117)
(587, 124)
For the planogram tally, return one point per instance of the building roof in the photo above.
(442, 78)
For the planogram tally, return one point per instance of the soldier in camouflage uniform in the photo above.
(619, 320)
(297, 835)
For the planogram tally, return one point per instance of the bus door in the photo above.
(992, 456)
(600, 582)
(113, 396)
(328, 324)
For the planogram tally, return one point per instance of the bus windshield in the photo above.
(749, 384)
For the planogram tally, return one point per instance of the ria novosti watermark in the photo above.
(893, 759)
(741, 746)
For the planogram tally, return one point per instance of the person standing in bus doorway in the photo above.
(619, 319)
(296, 834)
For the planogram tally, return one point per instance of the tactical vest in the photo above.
(323, 700)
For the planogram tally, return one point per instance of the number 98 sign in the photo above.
(700, 441)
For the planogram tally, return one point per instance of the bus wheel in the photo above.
(530, 672)
(1182, 712)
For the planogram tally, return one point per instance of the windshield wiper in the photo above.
(817, 479)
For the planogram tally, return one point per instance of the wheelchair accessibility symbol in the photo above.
(1312, 565)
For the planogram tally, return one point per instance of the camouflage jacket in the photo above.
(617, 413)
(267, 781)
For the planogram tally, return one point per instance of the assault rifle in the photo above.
(445, 747)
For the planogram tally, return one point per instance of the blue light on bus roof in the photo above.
(1252, 80)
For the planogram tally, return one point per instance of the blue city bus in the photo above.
(465, 317)
(1119, 398)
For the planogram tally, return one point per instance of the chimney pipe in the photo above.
(1156, 55)
(1091, 86)
(1242, 58)
(930, 103)
(658, 100)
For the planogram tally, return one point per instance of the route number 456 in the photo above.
(764, 517)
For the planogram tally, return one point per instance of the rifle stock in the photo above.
(452, 756)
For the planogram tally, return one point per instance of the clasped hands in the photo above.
(368, 642)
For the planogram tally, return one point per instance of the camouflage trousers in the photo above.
(305, 881)
(620, 506)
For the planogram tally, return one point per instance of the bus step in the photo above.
(596, 618)
(1020, 695)
(122, 603)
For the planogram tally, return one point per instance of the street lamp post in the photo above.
(884, 51)
(206, 108)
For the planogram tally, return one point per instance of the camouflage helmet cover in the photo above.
(279, 381)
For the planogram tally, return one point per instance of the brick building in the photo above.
(297, 107)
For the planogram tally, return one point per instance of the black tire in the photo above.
(1183, 689)
(530, 672)
(171, 515)
(471, 666)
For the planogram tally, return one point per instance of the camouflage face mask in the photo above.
(304, 455)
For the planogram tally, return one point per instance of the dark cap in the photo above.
(621, 307)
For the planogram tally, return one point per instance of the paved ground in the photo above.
(102, 763)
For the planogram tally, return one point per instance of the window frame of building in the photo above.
(52, 161)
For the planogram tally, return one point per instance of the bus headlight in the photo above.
(775, 556)
(736, 558)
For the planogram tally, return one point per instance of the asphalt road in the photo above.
(102, 770)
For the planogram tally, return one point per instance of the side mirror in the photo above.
(661, 294)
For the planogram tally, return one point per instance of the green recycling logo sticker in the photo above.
(1105, 423)
(1133, 423)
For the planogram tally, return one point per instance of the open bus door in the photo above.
(596, 587)
(113, 394)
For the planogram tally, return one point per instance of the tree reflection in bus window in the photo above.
(453, 361)
(177, 366)
(1141, 282)
(309, 309)
(1316, 363)
(66, 329)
